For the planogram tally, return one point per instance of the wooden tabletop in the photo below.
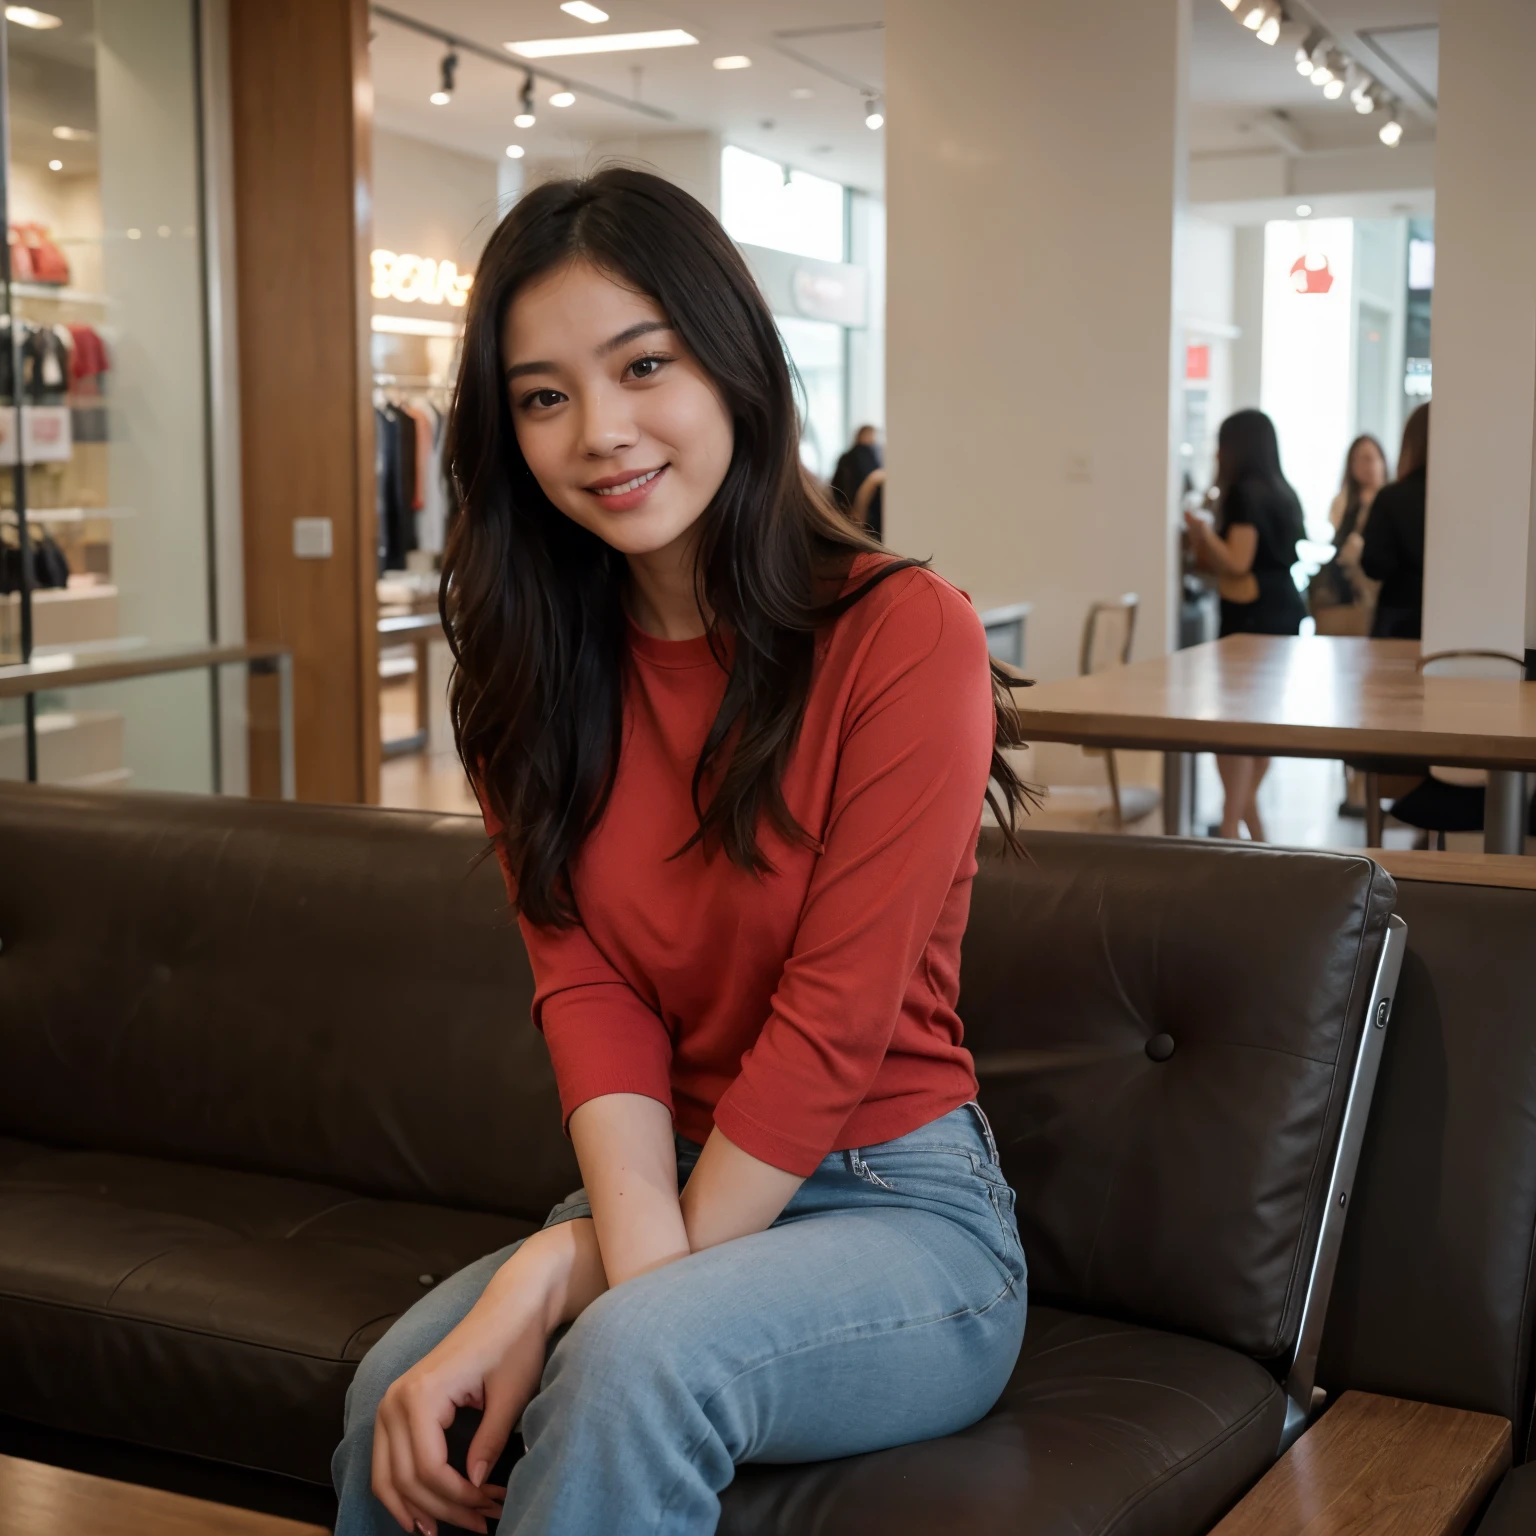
(37, 1500)
(1322, 696)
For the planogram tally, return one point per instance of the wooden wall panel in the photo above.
(301, 107)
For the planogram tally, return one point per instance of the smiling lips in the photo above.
(622, 495)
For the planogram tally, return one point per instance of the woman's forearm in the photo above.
(629, 1163)
(732, 1194)
(561, 1266)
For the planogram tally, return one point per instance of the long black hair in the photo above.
(532, 602)
(1248, 463)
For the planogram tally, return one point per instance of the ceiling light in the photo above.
(73, 135)
(1321, 75)
(55, 165)
(1231, 5)
(1306, 54)
(1365, 100)
(1392, 132)
(1303, 210)
(25, 16)
(515, 151)
(1269, 33)
(733, 61)
(874, 114)
(606, 42)
(1334, 89)
(444, 92)
(1255, 16)
(584, 12)
(526, 118)
(563, 98)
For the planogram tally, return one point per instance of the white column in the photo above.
(1035, 165)
(1480, 579)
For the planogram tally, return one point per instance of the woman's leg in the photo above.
(1236, 773)
(1260, 766)
(863, 1322)
(414, 1334)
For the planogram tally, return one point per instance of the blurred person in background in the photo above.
(1342, 597)
(1393, 552)
(1250, 548)
(862, 460)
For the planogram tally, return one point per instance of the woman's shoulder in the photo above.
(906, 615)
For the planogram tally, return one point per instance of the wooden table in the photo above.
(1321, 696)
(36, 1500)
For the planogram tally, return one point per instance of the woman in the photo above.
(1343, 596)
(733, 760)
(1393, 553)
(1250, 549)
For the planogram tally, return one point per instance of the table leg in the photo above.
(1505, 812)
(1178, 794)
(1375, 817)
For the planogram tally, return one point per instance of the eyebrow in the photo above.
(633, 333)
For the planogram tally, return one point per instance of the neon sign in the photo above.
(418, 279)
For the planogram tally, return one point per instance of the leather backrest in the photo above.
(1435, 1296)
(1187, 1192)
(326, 993)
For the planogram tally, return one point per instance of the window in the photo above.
(763, 203)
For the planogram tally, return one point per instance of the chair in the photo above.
(1443, 799)
(1108, 633)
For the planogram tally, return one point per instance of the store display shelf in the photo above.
(62, 295)
(66, 514)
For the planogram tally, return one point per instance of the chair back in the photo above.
(1108, 633)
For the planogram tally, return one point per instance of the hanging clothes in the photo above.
(431, 522)
(393, 431)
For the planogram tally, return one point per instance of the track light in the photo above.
(1334, 89)
(1364, 98)
(444, 93)
(1254, 17)
(1269, 33)
(563, 98)
(526, 118)
(1307, 53)
(1391, 133)
(1231, 5)
(874, 113)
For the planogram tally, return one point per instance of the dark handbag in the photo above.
(1330, 588)
(47, 562)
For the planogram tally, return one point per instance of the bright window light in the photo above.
(25, 16)
(584, 12)
(606, 42)
(759, 205)
(733, 61)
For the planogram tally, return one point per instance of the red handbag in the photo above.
(34, 256)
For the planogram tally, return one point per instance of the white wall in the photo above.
(1206, 296)
(1033, 170)
(690, 159)
(1480, 560)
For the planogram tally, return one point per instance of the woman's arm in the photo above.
(732, 1194)
(1231, 554)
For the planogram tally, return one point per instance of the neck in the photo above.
(662, 597)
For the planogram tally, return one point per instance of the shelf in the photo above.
(65, 514)
(61, 295)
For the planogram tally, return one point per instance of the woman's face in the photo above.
(1367, 467)
(624, 431)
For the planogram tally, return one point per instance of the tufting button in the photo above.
(1160, 1047)
(427, 1279)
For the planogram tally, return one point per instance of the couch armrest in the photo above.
(1378, 1464)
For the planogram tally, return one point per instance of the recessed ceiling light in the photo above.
(605, 42)
(563, 99)
(55, 165)
(515, 151)
(73, 135)
(1303, 210)
(584, 12)
(25, 16)
(733, 61)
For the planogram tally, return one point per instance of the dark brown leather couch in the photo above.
(266, 1072)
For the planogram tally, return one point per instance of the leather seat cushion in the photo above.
(1106, 1429)
(205, 1311)
(1513, 1511)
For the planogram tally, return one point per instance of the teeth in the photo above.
(629, 485)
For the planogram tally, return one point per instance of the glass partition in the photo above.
(103, 387)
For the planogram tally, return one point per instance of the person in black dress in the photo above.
(1394, 538)
(1250, 549)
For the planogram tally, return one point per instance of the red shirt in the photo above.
(811, 1009)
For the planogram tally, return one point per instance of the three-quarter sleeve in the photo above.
(905, 811)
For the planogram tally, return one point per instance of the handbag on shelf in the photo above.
(34, 256)
(50, 567)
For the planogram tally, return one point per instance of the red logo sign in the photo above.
(1311, 274)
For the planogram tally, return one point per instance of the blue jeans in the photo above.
(885, 1305)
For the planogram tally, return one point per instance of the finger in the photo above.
(432, 1474)
(383, 1481)
(490, 1439)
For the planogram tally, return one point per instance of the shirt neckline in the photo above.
(669, 653)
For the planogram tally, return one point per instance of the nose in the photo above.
(607, 423)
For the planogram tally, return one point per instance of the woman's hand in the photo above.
(492, 1361)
